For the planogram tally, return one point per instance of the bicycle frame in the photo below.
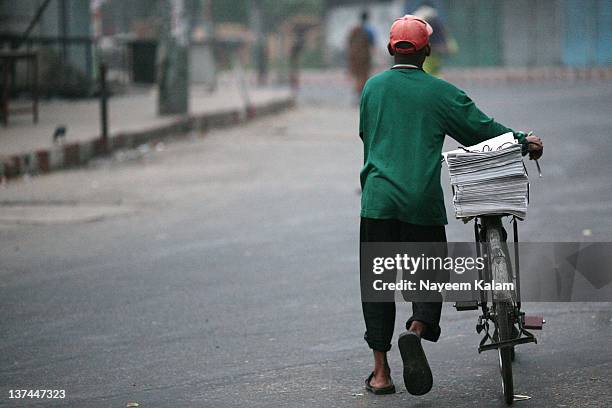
(517, 318)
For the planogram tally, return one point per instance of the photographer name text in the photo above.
(427, 285)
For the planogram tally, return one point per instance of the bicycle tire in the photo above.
(505, 353)
(502, 301)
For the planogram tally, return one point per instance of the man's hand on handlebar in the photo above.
(535, 147)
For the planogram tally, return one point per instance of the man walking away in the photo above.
(405, 114)
(360, 42)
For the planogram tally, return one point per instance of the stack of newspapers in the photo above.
(489, 178)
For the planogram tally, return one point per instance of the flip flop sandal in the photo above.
(417, 374)
(389, 389)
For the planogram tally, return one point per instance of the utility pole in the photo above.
(103, 108)
(63, 26)
(173, 62)
(259, 50)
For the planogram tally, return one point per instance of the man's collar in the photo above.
(405, 66)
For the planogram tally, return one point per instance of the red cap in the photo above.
(409, 29)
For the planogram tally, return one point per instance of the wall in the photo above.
(476, 26)
(17, 15)
(522, 33)
(587, 34)
(531, 33)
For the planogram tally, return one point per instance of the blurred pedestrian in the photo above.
(301, 27)
(441, 42)
(261, 63)
(405, 114)
(299, 34)
(360, 41)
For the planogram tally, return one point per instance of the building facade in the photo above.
(522, 33)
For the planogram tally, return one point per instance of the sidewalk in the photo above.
(26, 147)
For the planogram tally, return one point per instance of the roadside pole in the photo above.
(173, 62)
(259, 47)
(103, 108)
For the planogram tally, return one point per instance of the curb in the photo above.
(76, 154)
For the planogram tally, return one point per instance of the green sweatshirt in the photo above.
(404, 116)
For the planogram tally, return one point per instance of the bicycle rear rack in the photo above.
(522, 331)
(506, 343)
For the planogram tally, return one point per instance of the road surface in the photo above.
(221, 271)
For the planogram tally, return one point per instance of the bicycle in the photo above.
(510, 323)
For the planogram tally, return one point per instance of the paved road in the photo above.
(221, 271)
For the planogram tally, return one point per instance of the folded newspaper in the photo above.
(489, 178)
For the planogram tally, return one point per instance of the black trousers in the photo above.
(380, 316)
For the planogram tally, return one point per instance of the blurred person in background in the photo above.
(299, 31)
(405, 114)
(441, 42)
(360, 41)
(297, 46)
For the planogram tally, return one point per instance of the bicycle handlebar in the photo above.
(536, 160)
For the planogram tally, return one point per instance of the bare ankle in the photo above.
(417, 327)
(381, 366)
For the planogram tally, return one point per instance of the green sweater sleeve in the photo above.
(467, 124)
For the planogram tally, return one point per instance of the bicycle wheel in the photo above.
(505, 353)
(503, 304)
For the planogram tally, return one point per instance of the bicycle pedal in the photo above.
(466, 305)
(533, 322)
